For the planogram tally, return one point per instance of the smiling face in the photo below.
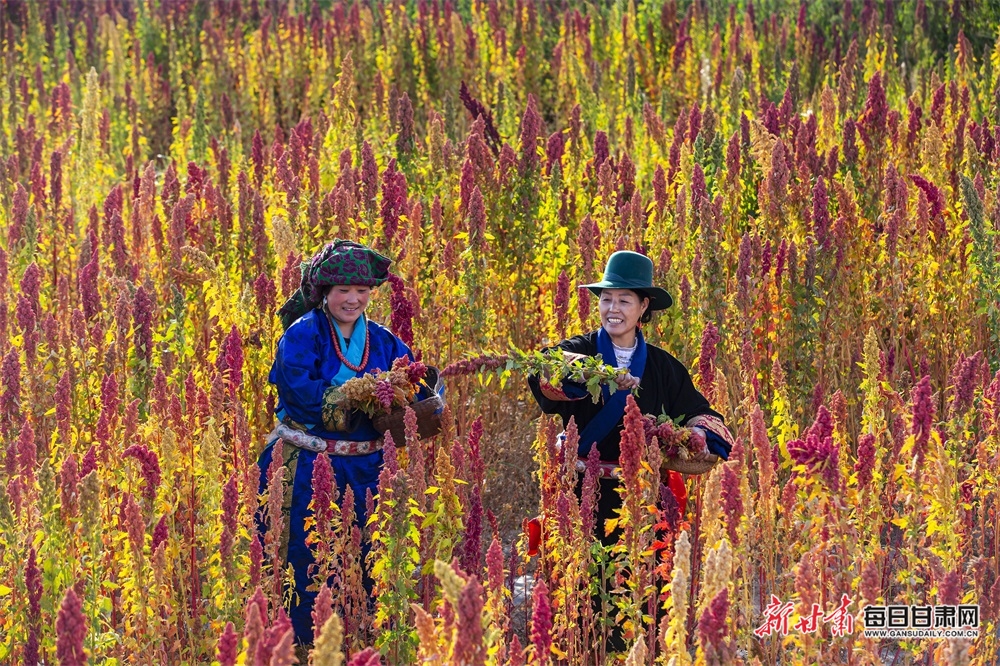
(620, 312)
(346, 304)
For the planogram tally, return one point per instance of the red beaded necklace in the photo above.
(340, 354)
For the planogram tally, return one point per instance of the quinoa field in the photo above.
(817, 184)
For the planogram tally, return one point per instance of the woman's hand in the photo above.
(627, 381)
(700, 450)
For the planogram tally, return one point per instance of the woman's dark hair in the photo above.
(647, 316)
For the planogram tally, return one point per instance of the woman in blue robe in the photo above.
(328, 340)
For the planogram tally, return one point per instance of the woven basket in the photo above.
(690, 466)
(428, 413)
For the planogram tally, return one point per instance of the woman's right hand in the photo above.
(627, 381)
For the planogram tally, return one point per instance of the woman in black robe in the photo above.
(627, 298)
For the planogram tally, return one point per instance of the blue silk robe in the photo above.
(304, 365)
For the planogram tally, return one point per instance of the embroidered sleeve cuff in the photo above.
(569, 391)
(714, 426)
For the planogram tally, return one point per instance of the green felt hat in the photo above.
(631, 270)
(339, 262)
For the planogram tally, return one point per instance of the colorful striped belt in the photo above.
(342, 447)
(337, 447)
(605, 469)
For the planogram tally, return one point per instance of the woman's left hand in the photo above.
(628, 381)
(702, 448)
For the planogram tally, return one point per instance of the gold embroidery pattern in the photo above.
(290, 462)
(713, 423)
(334, 417)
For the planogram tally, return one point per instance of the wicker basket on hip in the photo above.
(683, 466)
(428, 413)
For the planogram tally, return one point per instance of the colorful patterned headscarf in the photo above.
(339, 262)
